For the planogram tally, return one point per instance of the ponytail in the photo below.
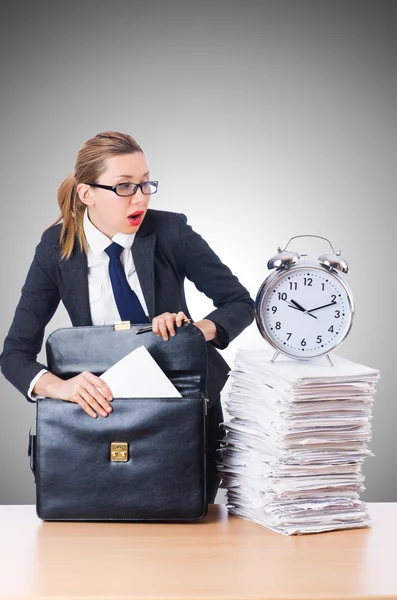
(72, 213)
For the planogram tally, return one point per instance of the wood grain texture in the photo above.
(221, 557)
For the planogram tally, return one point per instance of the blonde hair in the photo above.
(90, 164)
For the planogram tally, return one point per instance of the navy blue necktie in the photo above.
(127, 301)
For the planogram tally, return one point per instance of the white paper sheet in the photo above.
(137, 375)
(297, 372)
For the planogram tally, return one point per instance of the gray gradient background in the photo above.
(261, 120)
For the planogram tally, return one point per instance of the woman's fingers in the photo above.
(83, 394)
(100, 400)
(162, 324)
(159, 324)
(89, 392)
(180, 317)
(170, 321)
(86, 407)
(99, 389)
(77, 397)
(165, 322)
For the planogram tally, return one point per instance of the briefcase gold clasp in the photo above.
(119, 452)
(122, 325)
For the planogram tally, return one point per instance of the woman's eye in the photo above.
(125, 186)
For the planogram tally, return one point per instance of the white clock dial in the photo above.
(305, 311)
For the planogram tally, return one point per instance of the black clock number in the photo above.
(333, 297)
(274, 309)
(331, 329)
(319, 339)
(303, 342)
(293, 285)
(278, 325)
(282, 296)
(307, 281)
(337, 314)
(289, 335)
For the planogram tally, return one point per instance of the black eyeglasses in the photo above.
(128, 188)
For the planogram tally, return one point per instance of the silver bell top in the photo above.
(283, 260)
(332, 261)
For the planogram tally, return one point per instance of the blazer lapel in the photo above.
(75, 294)
(143, 255)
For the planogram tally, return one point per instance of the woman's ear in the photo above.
(84, 192)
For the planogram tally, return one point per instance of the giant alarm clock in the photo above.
(304, 308)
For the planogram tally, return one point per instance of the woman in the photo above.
(105, 216)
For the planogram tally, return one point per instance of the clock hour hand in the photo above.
(299, 307)
(318, 307)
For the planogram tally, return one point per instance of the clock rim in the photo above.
(269, 283)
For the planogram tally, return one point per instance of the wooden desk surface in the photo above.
(221, 557)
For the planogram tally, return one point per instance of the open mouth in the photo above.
(136, 217)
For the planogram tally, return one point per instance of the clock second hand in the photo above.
(299, 307)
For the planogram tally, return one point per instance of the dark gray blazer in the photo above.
(165, 251)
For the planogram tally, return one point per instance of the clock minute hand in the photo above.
(299, 307)
(318, 307)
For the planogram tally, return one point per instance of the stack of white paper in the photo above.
(294, 446)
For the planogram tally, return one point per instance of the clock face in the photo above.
(304, 311)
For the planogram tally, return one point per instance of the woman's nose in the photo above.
(138, 198)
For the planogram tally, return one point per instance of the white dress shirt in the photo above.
(102, 303)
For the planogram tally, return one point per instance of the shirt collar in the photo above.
(98, 241)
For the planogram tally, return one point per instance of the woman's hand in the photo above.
(162, 324)
(207, 328)
(81, 389)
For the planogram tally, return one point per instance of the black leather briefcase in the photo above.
(147, 459)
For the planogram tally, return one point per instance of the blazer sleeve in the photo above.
(234, 307)
(38, 302)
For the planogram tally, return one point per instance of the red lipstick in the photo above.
(135, 218)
